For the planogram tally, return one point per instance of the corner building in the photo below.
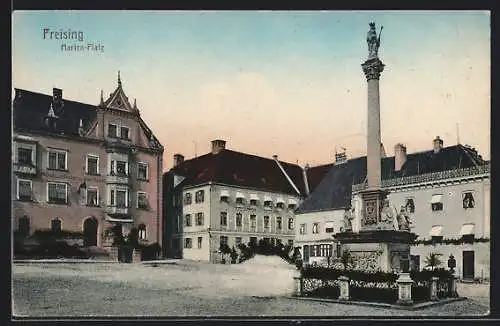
(85, 168)
(229, 197)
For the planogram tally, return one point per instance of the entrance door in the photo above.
(468, 265)
(305, 252)
(90, 232)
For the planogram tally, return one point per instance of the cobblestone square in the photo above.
(189, 289)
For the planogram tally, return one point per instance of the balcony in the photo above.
(25, 168)
(116, 211)
(118, 179)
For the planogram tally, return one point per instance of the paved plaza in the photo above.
(188, 289)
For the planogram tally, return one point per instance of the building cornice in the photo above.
(101, 142)
(210, 183)
(449, 177)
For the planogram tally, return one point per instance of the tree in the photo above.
(433, 261)
(234, 256)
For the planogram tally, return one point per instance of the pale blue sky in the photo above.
(286, 83)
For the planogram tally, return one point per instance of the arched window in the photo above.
(55, 225)
(24, 226)
(142, 231)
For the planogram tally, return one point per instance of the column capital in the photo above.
(373, 68)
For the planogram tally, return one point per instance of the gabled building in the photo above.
(85, 168)
(229, 197)
(445, 190)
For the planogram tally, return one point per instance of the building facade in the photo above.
(228, 198)
(94, 169)
(445, 191)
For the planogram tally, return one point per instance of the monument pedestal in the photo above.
(382, 250)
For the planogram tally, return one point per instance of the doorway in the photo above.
(468, 265)
(306, 253)
(90, 226)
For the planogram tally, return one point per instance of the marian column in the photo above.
(373, 196)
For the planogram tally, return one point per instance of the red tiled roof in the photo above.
(240, 169)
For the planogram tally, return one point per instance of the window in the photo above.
(266, 222)
(280, 205)
(436, 233)
(253, 202)
(112, 130)
(290, 243)
(467, 200)
(142, 231)
(24, 156)
(121, 168)
(223, 218)
(410, 205)
(467, 232)
(188, 243)
(326, 250)
(118, 198)
(187, 199)
(223, 240)
(237, 241)
(124, 133)
(302, 229)
(187, 220)
(329, 227)
(314, 250)
(315, 228)
(142, 171)
(200, 241)
(24, 226)
(239, 220)
(24, 189)
(142, 200)
(55, 225)
(224, 196)
(92, 164)
(290, 223)
(268, 203)
(200, 196)
(58, 160)
(239, 200)
(253, 241)
(436, 203)
(92, 198)
(278, 223)
(57, 193)
(199, 219)
(253, 221)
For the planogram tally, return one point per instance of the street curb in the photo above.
(63, 261)
(384, 305)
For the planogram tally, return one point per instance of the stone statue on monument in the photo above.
(373, 41)
(386, 214)
(403, 220)
(348, 217)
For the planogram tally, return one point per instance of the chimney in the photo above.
(340, 157)
(178, 159)
(382, 151)
(399, 156)
(80, 128)
(218, 145)
(437, 144)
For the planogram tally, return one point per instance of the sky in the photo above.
(271, 83)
